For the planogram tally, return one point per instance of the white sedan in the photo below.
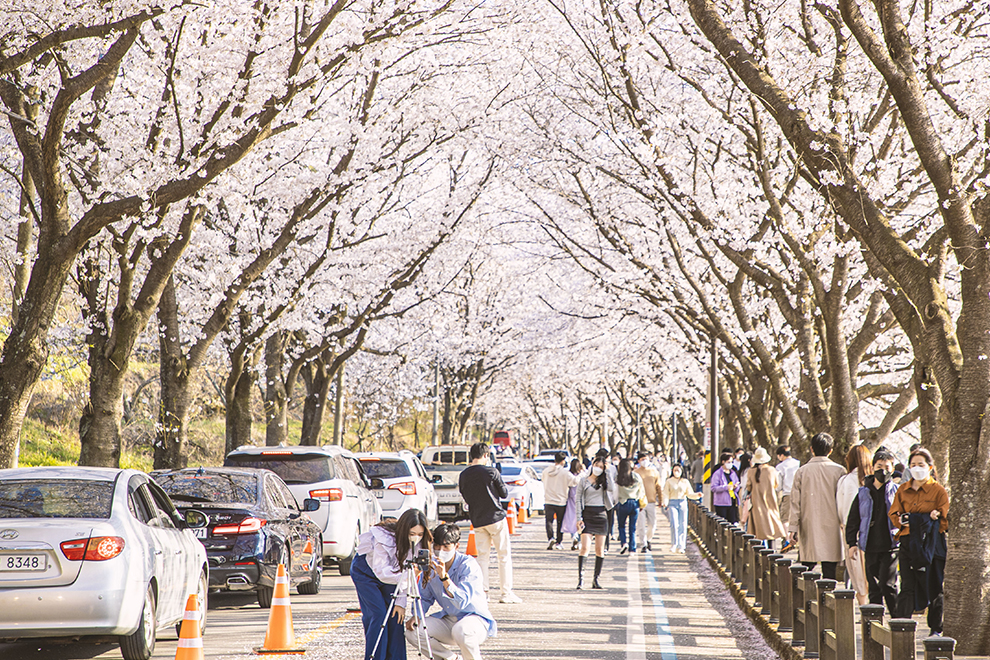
(95, 552)
(524, 484)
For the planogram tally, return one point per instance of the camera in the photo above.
(422, 559)
(905, 518)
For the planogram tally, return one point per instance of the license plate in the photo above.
(200, 532)
(23, 562)
(447, 509)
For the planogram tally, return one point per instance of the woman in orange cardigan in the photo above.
(920, 512)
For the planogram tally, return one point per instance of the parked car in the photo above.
(332, 476)
(524, 484)
(446, 455)
(253, 526)
(451, 506)
(404, 484)
(96, 553)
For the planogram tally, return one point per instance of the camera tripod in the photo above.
(416, 605)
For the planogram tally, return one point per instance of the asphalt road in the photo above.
(658, 606)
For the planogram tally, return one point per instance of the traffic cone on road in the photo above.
(523, 516)
(279, 637)
(472, 547)
(190, 638)
(511, 517)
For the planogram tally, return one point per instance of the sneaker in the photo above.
(574, 544)
(510, 598)
(673, 549)
(648, 546)
(643, 551)
(623, 549)
(556, 546)
(550, 545)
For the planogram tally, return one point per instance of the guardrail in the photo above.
(821, 619)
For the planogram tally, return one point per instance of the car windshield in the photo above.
(511, 469)
(382, 469)
(209, 487)
(56, 498)
(293, 468)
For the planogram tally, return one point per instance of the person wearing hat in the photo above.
(764, 515)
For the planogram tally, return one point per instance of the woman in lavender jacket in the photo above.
(725, 485)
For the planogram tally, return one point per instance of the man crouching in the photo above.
(455, 584)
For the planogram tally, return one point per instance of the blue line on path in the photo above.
(665, 639)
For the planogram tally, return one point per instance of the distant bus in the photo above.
(503, 439)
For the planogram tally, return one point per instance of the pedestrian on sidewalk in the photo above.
(593, 500)
(814, 519)
(765, 522)
(676, 492)
(378, 570)
(787, 466)
(725, 485)
(858, 461)
(698, 471)
(646, 526)
(870, 533)
(570, 525)
(455, 585)
(483, 490)
(631, 497)
(611, 462)
(557, 482)
(742, 497)
(920, 511)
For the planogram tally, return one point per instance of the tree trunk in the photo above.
(317, 387)
(238, 389)
(276, 397)
(172, 433)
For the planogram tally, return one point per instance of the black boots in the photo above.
(580, 584)
(598, 571)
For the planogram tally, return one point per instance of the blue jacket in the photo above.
(467, 592)
(864, 507)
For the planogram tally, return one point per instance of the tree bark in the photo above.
(317, 379)
(238, 389)
(276, 395)
(172, 434)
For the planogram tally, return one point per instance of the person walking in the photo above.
(786, 468)
(814, 519)
(631, 494)
(765, 522)
(858, 461)
(611, 468)
(742, 497)
(483, 490)
(725, 485)
(920, 512)
(646, 526)
(676, 492)
(557, 482)
(698, 471)
(377, 571)
(593, 500)
(570, 512)
(870, 533)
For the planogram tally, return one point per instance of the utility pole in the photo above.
(639, 431)
(338, 411)
(674, 454)
(436, 402)
(711, 424)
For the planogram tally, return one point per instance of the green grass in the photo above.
(45, 445)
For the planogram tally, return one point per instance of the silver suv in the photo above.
(405, 484)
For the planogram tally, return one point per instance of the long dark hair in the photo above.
(601, 481)
(576, 466)
(625, 475)
(400, 529)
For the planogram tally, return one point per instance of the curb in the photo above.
(762, 623)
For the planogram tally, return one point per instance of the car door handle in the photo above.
(178, 552)
(158, 552)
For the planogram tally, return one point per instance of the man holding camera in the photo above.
(455, 584)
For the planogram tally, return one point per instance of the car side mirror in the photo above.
(437, 478)
(195, 519)
(377, 483)
(310, 505)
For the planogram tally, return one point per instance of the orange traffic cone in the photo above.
(279, 637)
(190, 639)
(523, 516)
(472, 548)
(511, 517)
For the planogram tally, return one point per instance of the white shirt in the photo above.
(378, 547)
(786, 469)
(557, 481)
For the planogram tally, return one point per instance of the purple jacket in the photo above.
(720, 487)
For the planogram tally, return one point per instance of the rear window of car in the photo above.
(62, 498)
(218, 488)
(511, 469)
(293, 468)
(382, 469)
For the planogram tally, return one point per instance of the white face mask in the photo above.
(596, 471)
(446, 555)
(414, 539)
(920, 472)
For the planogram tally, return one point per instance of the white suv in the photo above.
(405, 484)
(333, 476)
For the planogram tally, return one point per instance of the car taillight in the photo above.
(246, 526)
(327, 494)
(98, 548)
(405, 487)
(517, 482)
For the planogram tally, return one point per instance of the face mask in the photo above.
(596, 471)
(414, 539)
(881, 476)
(446, 555)
(676, 474)
(920, 472)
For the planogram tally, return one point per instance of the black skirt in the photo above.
(595, 520)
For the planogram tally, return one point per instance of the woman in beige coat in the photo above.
(764, 516)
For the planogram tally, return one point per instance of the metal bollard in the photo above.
(939, 648)
(810, 613)
(764, 590)
(773, 587)
(786, 610)
(872, 649)
(902, 639)
(797, 604)
(844, 623)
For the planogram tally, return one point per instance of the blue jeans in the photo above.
(677, 512)
(374, 597)
(628, 510)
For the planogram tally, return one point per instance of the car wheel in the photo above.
(140, 644)
(312, 587)
(265, 595)
(344, 565)
(201, 592)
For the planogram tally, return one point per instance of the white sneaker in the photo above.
(510, 598)
(556, 546)
(673, 549)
